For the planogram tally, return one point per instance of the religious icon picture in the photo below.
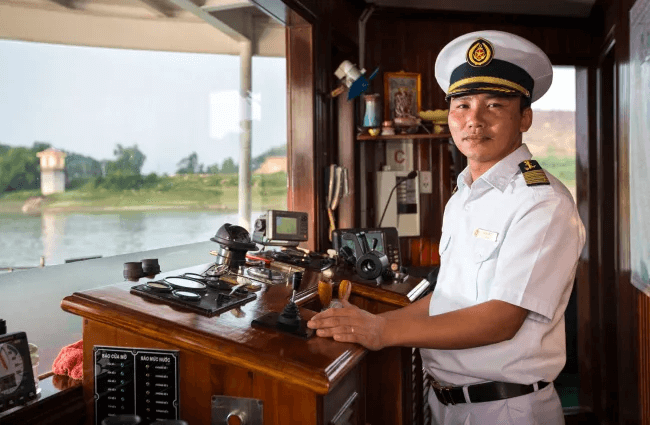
(402, 93)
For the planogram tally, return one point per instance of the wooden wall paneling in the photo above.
(340, 15)
(444, 184)
(301, 122)
(595, 319)
(437, 197)
(324, 144)
(375, 160)
(410, 41)
(429, 219)
(606, 232)
(585, 135)
(348, 211)
(316, 31)
(643, 360)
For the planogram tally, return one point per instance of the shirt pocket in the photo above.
(484, 254)
(483, 250)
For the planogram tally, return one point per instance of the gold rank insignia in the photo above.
(480, 53)
(533, 173)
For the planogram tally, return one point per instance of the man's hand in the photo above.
(350, 324)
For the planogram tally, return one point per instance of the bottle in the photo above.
(371, 118)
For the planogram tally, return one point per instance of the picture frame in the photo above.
(639, 131)
(403, 92)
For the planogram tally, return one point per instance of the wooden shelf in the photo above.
(404, 136)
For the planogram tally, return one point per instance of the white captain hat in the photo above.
(493, 61)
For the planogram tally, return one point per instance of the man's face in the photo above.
(486, 127)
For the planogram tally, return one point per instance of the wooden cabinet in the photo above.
(315, 381)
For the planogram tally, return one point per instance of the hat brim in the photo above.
(462, 91)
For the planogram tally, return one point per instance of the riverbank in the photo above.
(187, 192)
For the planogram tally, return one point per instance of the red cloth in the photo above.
(70, 361)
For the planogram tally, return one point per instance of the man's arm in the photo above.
(483, 324)
(420, 308)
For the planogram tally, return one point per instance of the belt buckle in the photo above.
(443, 393)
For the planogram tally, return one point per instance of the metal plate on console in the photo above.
(136, 381)
(249, 410)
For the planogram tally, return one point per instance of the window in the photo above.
(149, 139)
(552, 137)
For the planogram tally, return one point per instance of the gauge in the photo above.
(17, 384)
(11, 368)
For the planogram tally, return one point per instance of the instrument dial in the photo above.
(11, 369)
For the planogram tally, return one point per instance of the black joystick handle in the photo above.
(296, 280)
(289, 319)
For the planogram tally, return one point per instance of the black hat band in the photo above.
(498, 75)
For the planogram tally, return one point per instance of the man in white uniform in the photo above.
(492, 332)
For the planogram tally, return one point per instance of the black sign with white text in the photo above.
(138, 381)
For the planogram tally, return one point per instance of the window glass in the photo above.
(141, 148)
(124, 154)
(552, 137)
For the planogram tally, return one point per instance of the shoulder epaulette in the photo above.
(533, 173)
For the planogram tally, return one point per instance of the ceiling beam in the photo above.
(161, 7)
(217, 5)
(227, 29)
(68, 4)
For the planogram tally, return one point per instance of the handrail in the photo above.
(42, 263)
(12, 268)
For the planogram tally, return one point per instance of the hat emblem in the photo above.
(480, 53)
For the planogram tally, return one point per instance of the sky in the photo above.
(87, 100)
(561, 95)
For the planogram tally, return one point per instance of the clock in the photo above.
(17, 384)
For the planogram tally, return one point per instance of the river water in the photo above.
(63, 236)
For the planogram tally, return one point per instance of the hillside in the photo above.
(552, 133)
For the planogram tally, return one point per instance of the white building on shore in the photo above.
(52, 171)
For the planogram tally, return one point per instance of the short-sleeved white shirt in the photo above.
(505, 240)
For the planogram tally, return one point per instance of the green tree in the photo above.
(229, 166)
(81, 167)
(189, 165)
(19, 167)
(128, 161)
(213, 169)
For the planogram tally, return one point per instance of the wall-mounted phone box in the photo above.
(403, 211)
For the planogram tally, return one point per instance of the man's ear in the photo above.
(526, 120)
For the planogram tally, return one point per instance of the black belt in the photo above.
(478, 393)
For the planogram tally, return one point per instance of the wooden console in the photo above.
(315, 381)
